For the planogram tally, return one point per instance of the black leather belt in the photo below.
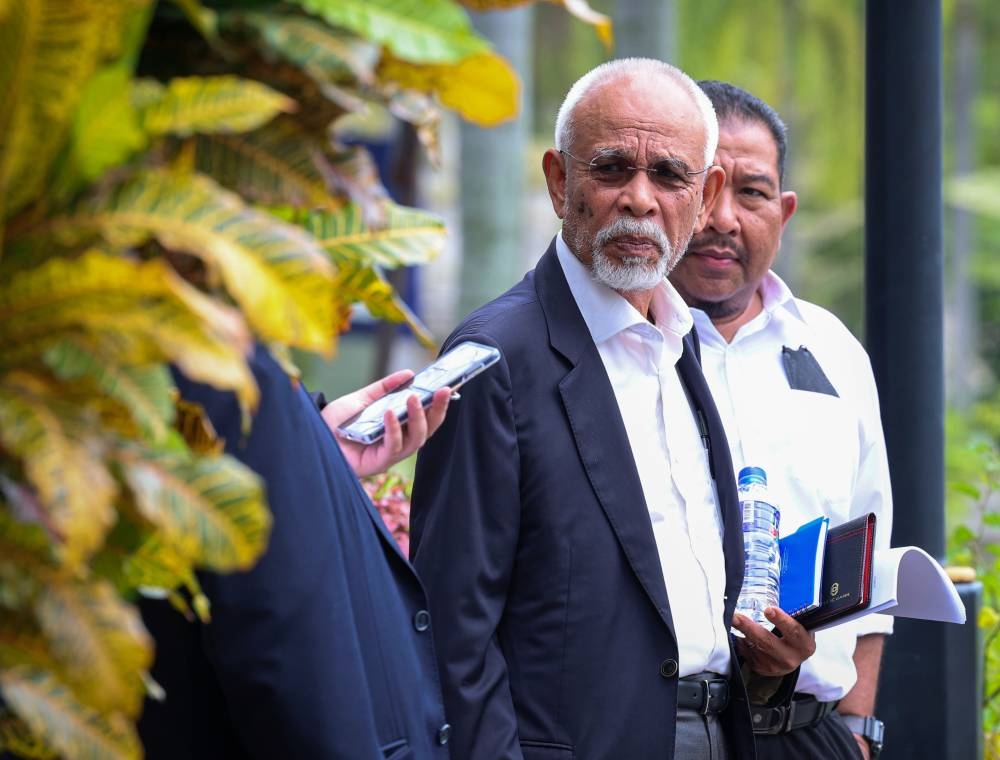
(707, 693)
(803, 711)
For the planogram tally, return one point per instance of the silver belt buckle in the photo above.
(708, 697)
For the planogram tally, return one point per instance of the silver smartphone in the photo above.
(450, 370)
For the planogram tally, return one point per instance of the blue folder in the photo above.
(802, 567)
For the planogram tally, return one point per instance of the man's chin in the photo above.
(627, 277)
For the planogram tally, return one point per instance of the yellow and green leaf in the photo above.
(50, 709)
(209, 510)
(483, 88)
(277, 164)
(105, 132)
(99, 642)
(215, 105)
(16, 737)
(205, 20)
(364, 284)
(422, 31)
(62, 462)
(156, 569)
(579, 8)
(48, 50)
(133, 313)
(278, 275)
(325, 53)
(409, 237)
(145, 391)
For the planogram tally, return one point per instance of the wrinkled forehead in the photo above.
(643, 116)
(747, 146)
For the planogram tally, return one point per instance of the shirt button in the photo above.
(422, 620)
(444, 734)
(668, 668)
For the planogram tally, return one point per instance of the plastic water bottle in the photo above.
(762, 567)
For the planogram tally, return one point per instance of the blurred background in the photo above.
(806, 58)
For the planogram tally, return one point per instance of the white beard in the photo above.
(632, 273)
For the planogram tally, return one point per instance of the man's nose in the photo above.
(724, 219)
(638, 196)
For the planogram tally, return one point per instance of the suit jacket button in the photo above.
(444, 734)
(422, 620)
(668, 668)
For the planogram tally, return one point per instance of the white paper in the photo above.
(908, 582)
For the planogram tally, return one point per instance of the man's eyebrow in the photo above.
(677, 164)
(764, 179)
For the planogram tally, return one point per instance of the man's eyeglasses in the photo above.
(616, 171)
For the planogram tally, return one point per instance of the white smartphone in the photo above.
(459, 365)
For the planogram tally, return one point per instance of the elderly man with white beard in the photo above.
(575, 519)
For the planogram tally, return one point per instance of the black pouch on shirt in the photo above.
(804, 372)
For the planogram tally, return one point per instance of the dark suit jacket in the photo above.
(532, 535)
(314, 653)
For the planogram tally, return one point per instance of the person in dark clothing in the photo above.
(324, 649)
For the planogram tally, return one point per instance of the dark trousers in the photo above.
(829, 739)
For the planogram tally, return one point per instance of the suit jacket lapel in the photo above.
(597, 426)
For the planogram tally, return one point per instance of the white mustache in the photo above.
(625, 226)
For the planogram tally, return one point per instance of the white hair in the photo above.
(638, 67)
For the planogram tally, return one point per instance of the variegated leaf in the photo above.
(359, 284)
(155, 569)
(482, 88)
(327, 54)
(99, 642)
(205, 20)
(16, 736)
(579, 8)
(221, 104)
(278, 164)
(145, 391)
(105, 132)
(422, 31)
(409, 237)
(275, 271)
(51, 710)
(25, 551)
(48, 50)
(145, 311)
(209, 510)
(60, 460)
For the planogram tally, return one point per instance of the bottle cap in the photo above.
(749, 475)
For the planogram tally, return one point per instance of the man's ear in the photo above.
(715, 180)
(789, 202)
(555, 179)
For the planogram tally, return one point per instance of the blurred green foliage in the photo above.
(973, 521)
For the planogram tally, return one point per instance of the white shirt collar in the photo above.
(775, 294)
(607, 313)
(778, 305)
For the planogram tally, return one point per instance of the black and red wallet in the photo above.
(847, 571)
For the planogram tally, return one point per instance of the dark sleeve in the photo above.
(465, 520)
(283, 642)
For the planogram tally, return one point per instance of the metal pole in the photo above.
(904, 335)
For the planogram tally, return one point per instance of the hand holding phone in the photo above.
(398, 442)
(450, 370)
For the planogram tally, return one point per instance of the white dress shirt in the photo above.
(640, 358)
(823, 454)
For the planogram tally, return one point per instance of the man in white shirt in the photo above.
(797, 397)
(575, 520)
